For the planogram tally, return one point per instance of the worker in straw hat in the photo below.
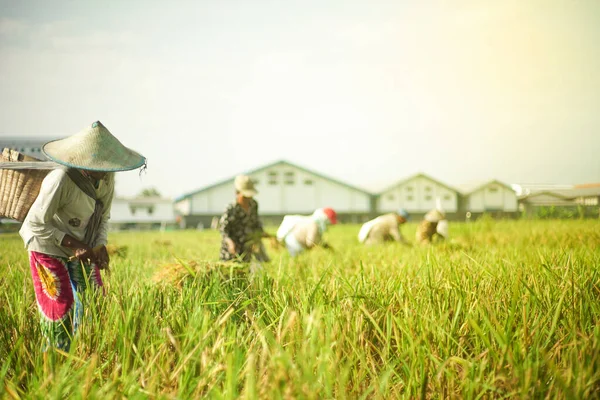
(300, 233)
(66, 228)
(384, 228)
(240, 226)
(434, 224)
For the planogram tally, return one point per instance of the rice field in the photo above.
(507, 309)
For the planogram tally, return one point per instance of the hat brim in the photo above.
(248, 193)
(124, 160)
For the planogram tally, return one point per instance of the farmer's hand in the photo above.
(102, 257)
(230, 246)
(274, 242)
(85, 254)
(327, 246)
(255, 237)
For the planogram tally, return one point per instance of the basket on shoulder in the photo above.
(21, 177)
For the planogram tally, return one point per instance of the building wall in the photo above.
(418, 195)
(492, 197)
(284, 189)
(212, 201)
(183, 207)
(121, 212)
(546, 200)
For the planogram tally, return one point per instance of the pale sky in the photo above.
(369, 92)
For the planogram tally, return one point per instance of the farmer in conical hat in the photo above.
(434, 223)
(299, 232)
(66, 228)
(241, 229)
(385, 228)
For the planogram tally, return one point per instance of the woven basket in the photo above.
(18, 187)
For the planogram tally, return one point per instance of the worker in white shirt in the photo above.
(301, 232)
(66, 228)
(385, 228)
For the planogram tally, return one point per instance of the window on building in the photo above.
(428, 188)
(391, 197)
(447, 197)
(428, 197)
(289, 178)
(272, 178)
(409, 188)
(150, 210)
(493, 189)
(308, 182)
(409, 198)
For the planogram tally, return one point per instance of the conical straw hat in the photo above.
(94, 149)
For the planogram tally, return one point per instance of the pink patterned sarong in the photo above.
(58, 285)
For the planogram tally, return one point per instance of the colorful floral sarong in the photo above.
(58, 285)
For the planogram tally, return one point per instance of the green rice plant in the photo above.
(505, 309)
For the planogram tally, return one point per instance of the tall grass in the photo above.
(506, 309)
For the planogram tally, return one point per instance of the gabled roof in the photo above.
(493, 181)
(143, 200)
(544, 193)
(555, 199)
(271, 165)
(418, 175)
(568, 194)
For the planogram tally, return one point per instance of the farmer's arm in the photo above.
(54, 191)
(313, 237)
(258, 226)
(225, 227)
(102, 238)
(81, 250)
(395, 233)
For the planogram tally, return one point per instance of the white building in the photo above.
(418, 194)
(491, 197)
(580, 200)
(142, 213)
(31, 146)
(284, 188)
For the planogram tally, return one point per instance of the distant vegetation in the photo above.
(149, 192)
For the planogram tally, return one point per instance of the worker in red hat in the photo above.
(300, 233)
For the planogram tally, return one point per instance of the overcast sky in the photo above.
(368, 92)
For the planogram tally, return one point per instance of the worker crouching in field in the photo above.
(66, 228)
(434, 223)
(240, 227)
(385, 228)
(300, 233)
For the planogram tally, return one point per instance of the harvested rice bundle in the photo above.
(177, 273)
(114, 250)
